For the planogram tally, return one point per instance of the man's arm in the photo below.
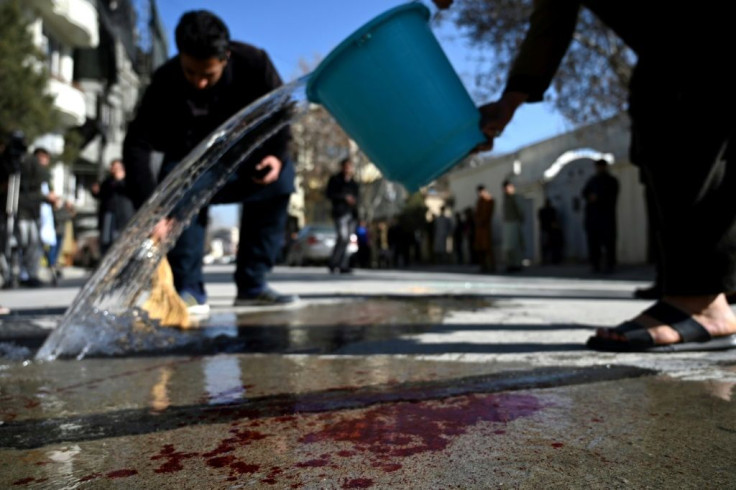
(551, 27)
(279, 144)
(141, 138)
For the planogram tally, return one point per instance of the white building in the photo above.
(59, 27)
(108, 76)
(558, 168)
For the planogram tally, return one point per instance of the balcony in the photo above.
(70, 103)
(74, 21)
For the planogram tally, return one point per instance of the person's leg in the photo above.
(32, 250)
(594, 249)
(53, 253)
(339, 258)
(186, 258)
(655, 290)
(262, 228)
(334, 260)
(693, 192)
(347, 227)
(609, 247)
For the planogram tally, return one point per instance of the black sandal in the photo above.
(694, 336)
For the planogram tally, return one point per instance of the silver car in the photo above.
(313, 245)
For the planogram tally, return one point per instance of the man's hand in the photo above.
(495, 116)
(162, 229)
(273, 165)
(52, 198)
(350, 199)
(442, 4)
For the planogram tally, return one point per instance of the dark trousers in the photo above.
(262, 235)
(686, 148)
(262, 225)
(185, 257)
(602, 247)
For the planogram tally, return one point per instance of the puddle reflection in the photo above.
(222, 380)
(315, 328)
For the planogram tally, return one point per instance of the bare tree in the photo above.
(591, 83)
(318, 145)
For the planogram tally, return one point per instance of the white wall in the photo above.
(609, 138)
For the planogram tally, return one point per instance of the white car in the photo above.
(314, 244)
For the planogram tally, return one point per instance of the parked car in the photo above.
(313, 245)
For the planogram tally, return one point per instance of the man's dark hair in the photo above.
(505, 183)
(480, 187)
(40, 150)
(601, 163)
(202, 35)
(344, 161)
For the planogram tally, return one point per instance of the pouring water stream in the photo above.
(102, 318)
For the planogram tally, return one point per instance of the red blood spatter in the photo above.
(239, 438)
(221, 462)
(122, 473)
(91, 477)
(24, 481)
(236, 466)
(557, 444)
(271, 478)
(8, 416)
(285, 418)
(358, 483)
(225, 446)
(244, 469)
(388, 467)
(173, 458)
(314, 463)
(403, 429)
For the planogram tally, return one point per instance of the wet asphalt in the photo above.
(426, 378)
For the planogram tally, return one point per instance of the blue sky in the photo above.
(294, 30)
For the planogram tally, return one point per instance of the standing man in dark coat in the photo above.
(600, 195)
(483, 238)
(550, 233)
(210, 80)
(342, 191)
(114, 206)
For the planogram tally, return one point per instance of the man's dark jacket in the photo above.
(337, 189)
(174, 117)
(113, 200)
(600, 212)
(30, 197)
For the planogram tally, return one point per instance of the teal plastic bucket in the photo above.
(393, 90)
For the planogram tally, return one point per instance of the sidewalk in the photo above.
(381, 379)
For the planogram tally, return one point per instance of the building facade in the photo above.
(59, 28)
(557, 168)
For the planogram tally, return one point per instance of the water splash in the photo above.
(106, 316)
